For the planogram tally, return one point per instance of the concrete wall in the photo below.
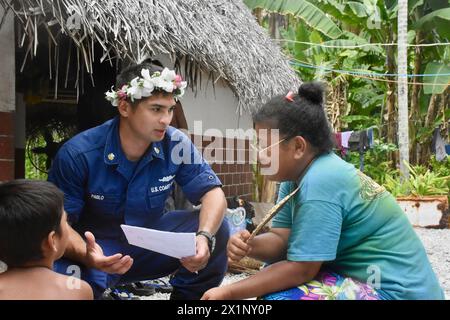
(217, 109)
(8, 73)
(7, 97)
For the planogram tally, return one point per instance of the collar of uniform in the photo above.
(113, 152)
(157, 150)
(154, 151)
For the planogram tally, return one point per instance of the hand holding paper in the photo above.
(177, 245)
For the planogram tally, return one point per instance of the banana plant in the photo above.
(360, 23)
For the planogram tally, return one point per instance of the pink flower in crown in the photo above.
(290, 96)
(177, 81)
(122, 93)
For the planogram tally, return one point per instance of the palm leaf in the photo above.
(304, 10)
(436, 84)
(438, 20)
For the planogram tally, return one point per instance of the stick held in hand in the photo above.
(273, 212)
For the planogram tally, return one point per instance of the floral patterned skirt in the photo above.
(327, 286)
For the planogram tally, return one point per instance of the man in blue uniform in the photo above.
(122, 172)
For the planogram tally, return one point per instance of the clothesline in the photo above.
(373, 74)
(391, 81)
(362, 45)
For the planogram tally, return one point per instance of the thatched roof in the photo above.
(219, 36)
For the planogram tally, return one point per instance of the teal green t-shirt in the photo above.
(344, 218)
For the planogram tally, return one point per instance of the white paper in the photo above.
(174, 244)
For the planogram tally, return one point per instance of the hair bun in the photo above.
(312, 91)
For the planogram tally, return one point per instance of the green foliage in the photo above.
(395, 187)
(422, 182)
(306, 11)
(436, 20)
(436, 84)
(376, 164)
(35, 163)
(362, 22)
(427, 183)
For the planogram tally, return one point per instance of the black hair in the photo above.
(134, 70)
(29, 211)
(304, 116)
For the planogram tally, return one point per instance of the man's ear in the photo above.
(299, 146)
(124, 108)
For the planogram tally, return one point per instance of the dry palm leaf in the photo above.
(273, 212)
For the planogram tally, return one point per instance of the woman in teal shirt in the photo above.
(342, 236)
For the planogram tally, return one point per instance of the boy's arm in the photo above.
(276, 277)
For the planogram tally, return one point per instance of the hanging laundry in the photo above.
(338, 137)
(438, 145)
(370, 137)
(359, 141)
(338, 143)
(345, 137)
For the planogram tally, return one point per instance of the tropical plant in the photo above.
(422, 182)
(356, 100)
(376, 164)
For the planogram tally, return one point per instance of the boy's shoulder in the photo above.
(42, 285)
(72, 288)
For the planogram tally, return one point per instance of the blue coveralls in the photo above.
(103, 189)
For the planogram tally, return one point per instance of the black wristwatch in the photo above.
(211, 239)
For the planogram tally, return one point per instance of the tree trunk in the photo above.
(415, 108)
(390, 101)
(402, 57)
(429, 119)
(258, 14)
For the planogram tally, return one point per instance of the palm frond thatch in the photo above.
(221, 36)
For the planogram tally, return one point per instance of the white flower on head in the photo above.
(183, 85)
(168, 75)
(145, 73)
(147, 88)
(111, 96)
(141, 87)
(134, 90)
(162, 84)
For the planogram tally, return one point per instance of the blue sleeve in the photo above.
(68, 173)
(315, 232)
(195, 176)
(283, 219)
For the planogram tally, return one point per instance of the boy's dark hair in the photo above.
(304, 116)
(29, 211)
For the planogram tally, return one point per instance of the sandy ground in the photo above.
(437, 245)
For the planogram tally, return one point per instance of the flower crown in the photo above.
(141, 87)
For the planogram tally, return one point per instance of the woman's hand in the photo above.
(218, 293)
(238, 247)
